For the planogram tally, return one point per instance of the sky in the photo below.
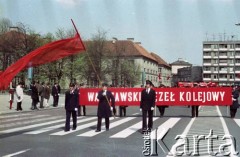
(170, 28)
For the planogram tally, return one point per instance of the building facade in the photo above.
(221, 62)
(180, 63)
(190, 74)
(164, 71)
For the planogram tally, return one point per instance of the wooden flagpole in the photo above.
(100, 82)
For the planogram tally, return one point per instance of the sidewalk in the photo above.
(26, 104)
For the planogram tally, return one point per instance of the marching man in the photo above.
(147, 104)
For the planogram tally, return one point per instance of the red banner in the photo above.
(164, 96)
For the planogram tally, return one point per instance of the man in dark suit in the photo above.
(235, 105)
(55, 93)
(71, 105)
(147, 104)
(105, 109)
(34, 96)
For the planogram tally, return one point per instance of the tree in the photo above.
(97, 65)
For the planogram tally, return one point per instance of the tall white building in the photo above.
(221, 62)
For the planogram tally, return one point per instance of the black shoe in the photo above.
(107, 129)
(149, 129)
(73, 128)
(66, 130)
(97, 130)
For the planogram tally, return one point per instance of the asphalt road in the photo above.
(40, 133)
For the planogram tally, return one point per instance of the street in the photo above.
(41, 133)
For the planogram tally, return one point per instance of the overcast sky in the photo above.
(171, 28)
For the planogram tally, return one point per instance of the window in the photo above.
(230, 61)
(223, 46)
(207, 76)
(231, 46)
(207, 46)
(222, 61)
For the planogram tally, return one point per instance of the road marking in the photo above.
(61, 133)
(23, 118)
(135, 114)
(162, 129)
(226, 131)
(112, 125)
(129, 131)
(42, 130)
(27, 122)
(30, 126)
(17, 153)
(173, 150)
(17, 115)
(237, 121)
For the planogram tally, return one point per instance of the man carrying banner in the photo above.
(104, 107)
(147, 104)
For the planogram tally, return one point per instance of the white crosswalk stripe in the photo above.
(84, 126)
(32, 120)
(21, 118)
(17, 115)
(125, 126)
(42, 130)
(162, 129)
(112, 125)
(237, 121)
(129, 131)
(30, 126)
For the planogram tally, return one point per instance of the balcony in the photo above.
(223, 71)
(206, 79)
(223, 64)
(207, 64)
(207, 57)
(207, 49)
(207, 71)
(224, 56)
(223, 49)
(223, 79)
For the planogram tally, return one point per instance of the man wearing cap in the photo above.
(105, 97)
(71, 105)
(147, 104)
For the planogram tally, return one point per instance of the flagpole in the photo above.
(100, 82)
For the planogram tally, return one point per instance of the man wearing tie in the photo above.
(71, 105)
(147, 104)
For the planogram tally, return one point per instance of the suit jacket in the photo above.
(103, 105)
(147, 99)
(34, 94)
(55, 90)
(235, 95)
(71, 100)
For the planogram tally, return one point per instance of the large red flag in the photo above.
(45, 54)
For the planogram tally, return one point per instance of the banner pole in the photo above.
(100, 82)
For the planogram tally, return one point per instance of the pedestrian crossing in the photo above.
(120, 128)
(54, 125)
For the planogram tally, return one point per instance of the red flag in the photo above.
(45, 54)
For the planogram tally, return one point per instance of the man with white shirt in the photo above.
(147, 104)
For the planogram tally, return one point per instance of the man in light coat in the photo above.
(19, 94)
